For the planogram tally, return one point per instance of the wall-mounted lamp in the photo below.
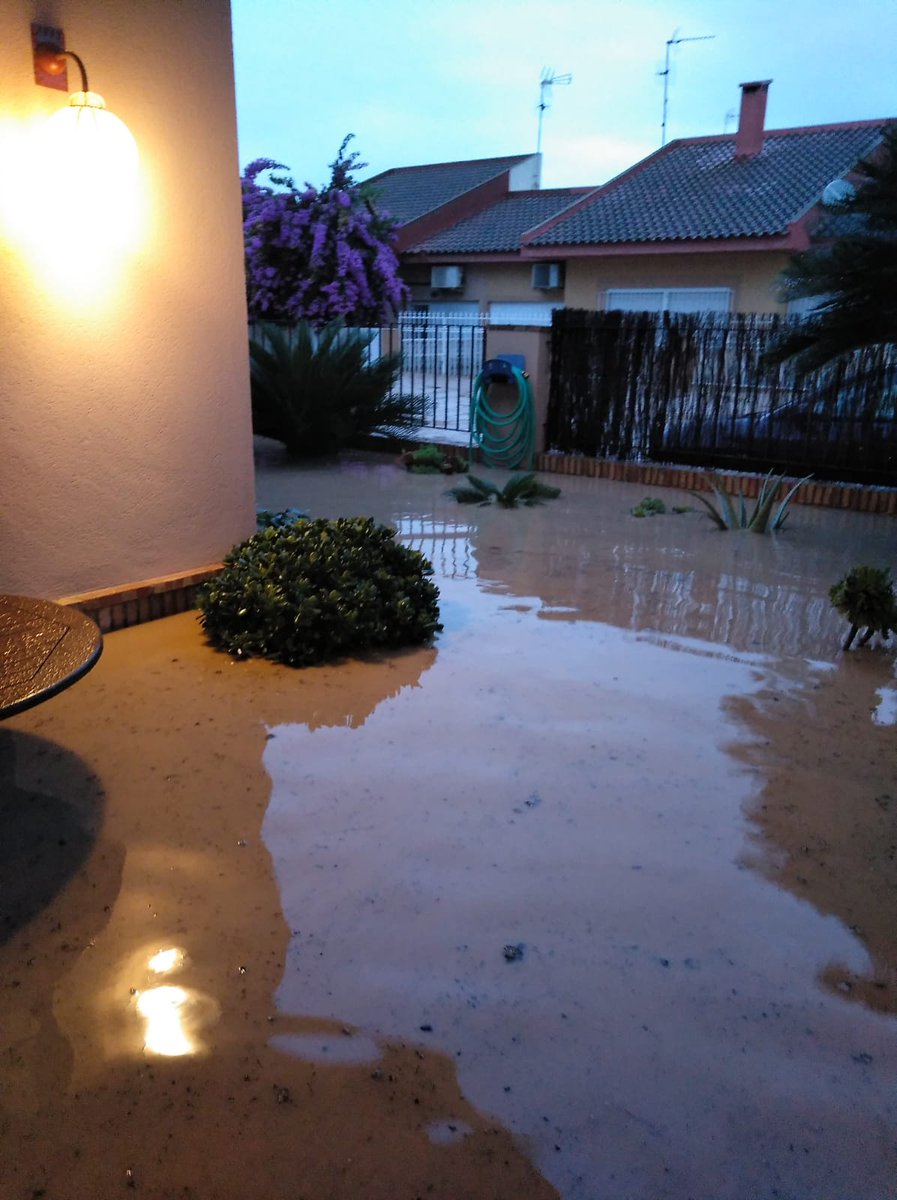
(86, 137)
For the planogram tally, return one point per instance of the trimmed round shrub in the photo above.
(318, 590)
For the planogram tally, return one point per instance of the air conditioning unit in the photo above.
(447, 277)
(547, 276)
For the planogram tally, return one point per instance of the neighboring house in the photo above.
(704, 224)
(426, 199)
(486, 269)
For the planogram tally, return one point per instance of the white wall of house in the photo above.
(124, 399)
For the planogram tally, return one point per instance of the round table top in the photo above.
(44, 648)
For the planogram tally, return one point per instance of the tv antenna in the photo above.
(673, 40)
(547, 81)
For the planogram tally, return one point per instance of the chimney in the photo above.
(749, 138)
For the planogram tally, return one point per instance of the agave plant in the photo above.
(520, 489)
(316, 391)
(731, 514)
(865, 596)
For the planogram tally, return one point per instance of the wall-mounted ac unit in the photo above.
(548, 275)
(447, 277)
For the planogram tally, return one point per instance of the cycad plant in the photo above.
(735, 514)
(865, 596)
(316, 391)
(520, 489)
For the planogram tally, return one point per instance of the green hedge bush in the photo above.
(318, 590)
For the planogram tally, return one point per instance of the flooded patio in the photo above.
(594, 898)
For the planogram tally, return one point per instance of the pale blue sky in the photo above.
(424, 81)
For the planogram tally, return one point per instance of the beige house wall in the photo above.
(126, 433)
(485, 282)
(751, 276)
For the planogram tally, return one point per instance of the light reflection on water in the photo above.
(563, 785)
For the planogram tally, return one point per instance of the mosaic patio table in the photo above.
(44, 648)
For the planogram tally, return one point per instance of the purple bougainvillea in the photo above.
(318, 255)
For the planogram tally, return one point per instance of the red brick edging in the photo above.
(856, 496)
(119, 607)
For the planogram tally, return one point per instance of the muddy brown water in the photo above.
(595, 898)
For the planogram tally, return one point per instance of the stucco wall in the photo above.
(750, 275)
(485, 282)
(124, 400)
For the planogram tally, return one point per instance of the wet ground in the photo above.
(594, 898)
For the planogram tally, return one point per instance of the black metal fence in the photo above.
(693, 388)
(441, 356)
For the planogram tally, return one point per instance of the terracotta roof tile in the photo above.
(406, 193)
(696, 189)
(499, 227)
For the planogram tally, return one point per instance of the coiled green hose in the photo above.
(504, 439)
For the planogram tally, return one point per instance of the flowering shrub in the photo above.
(318, 255)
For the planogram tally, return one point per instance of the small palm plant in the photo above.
(727, 514)
(865, 596)
(520, 489)
(318, 390)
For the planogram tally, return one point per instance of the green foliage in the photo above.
(727, 515)
(265, 519)
(855, 276)
(865, 596)
(682, 508)
(317, 590)
(649, 507)
(520, 489)
(316, 392)
(430, 460)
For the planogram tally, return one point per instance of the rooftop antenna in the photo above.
(729, 119)
(546, 82)
(673, 40)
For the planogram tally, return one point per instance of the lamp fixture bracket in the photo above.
(50, 54)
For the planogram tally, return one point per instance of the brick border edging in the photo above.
(855, 496)
(135, 603)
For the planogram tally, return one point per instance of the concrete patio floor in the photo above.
(255, 920)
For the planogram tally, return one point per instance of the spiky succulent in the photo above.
(730, 514)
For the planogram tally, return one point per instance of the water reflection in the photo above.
(554, 785)
(166, 1011)
(446, 544)
(166, 960)
(174, 1017)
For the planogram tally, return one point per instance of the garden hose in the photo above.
(504, 439)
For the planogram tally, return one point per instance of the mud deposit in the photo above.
(594, 898)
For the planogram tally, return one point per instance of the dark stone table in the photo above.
(44, 648)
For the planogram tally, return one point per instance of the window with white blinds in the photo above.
(685, 300)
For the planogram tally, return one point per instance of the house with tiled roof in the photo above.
(703, 224)
(486, 250)
(423, 200)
